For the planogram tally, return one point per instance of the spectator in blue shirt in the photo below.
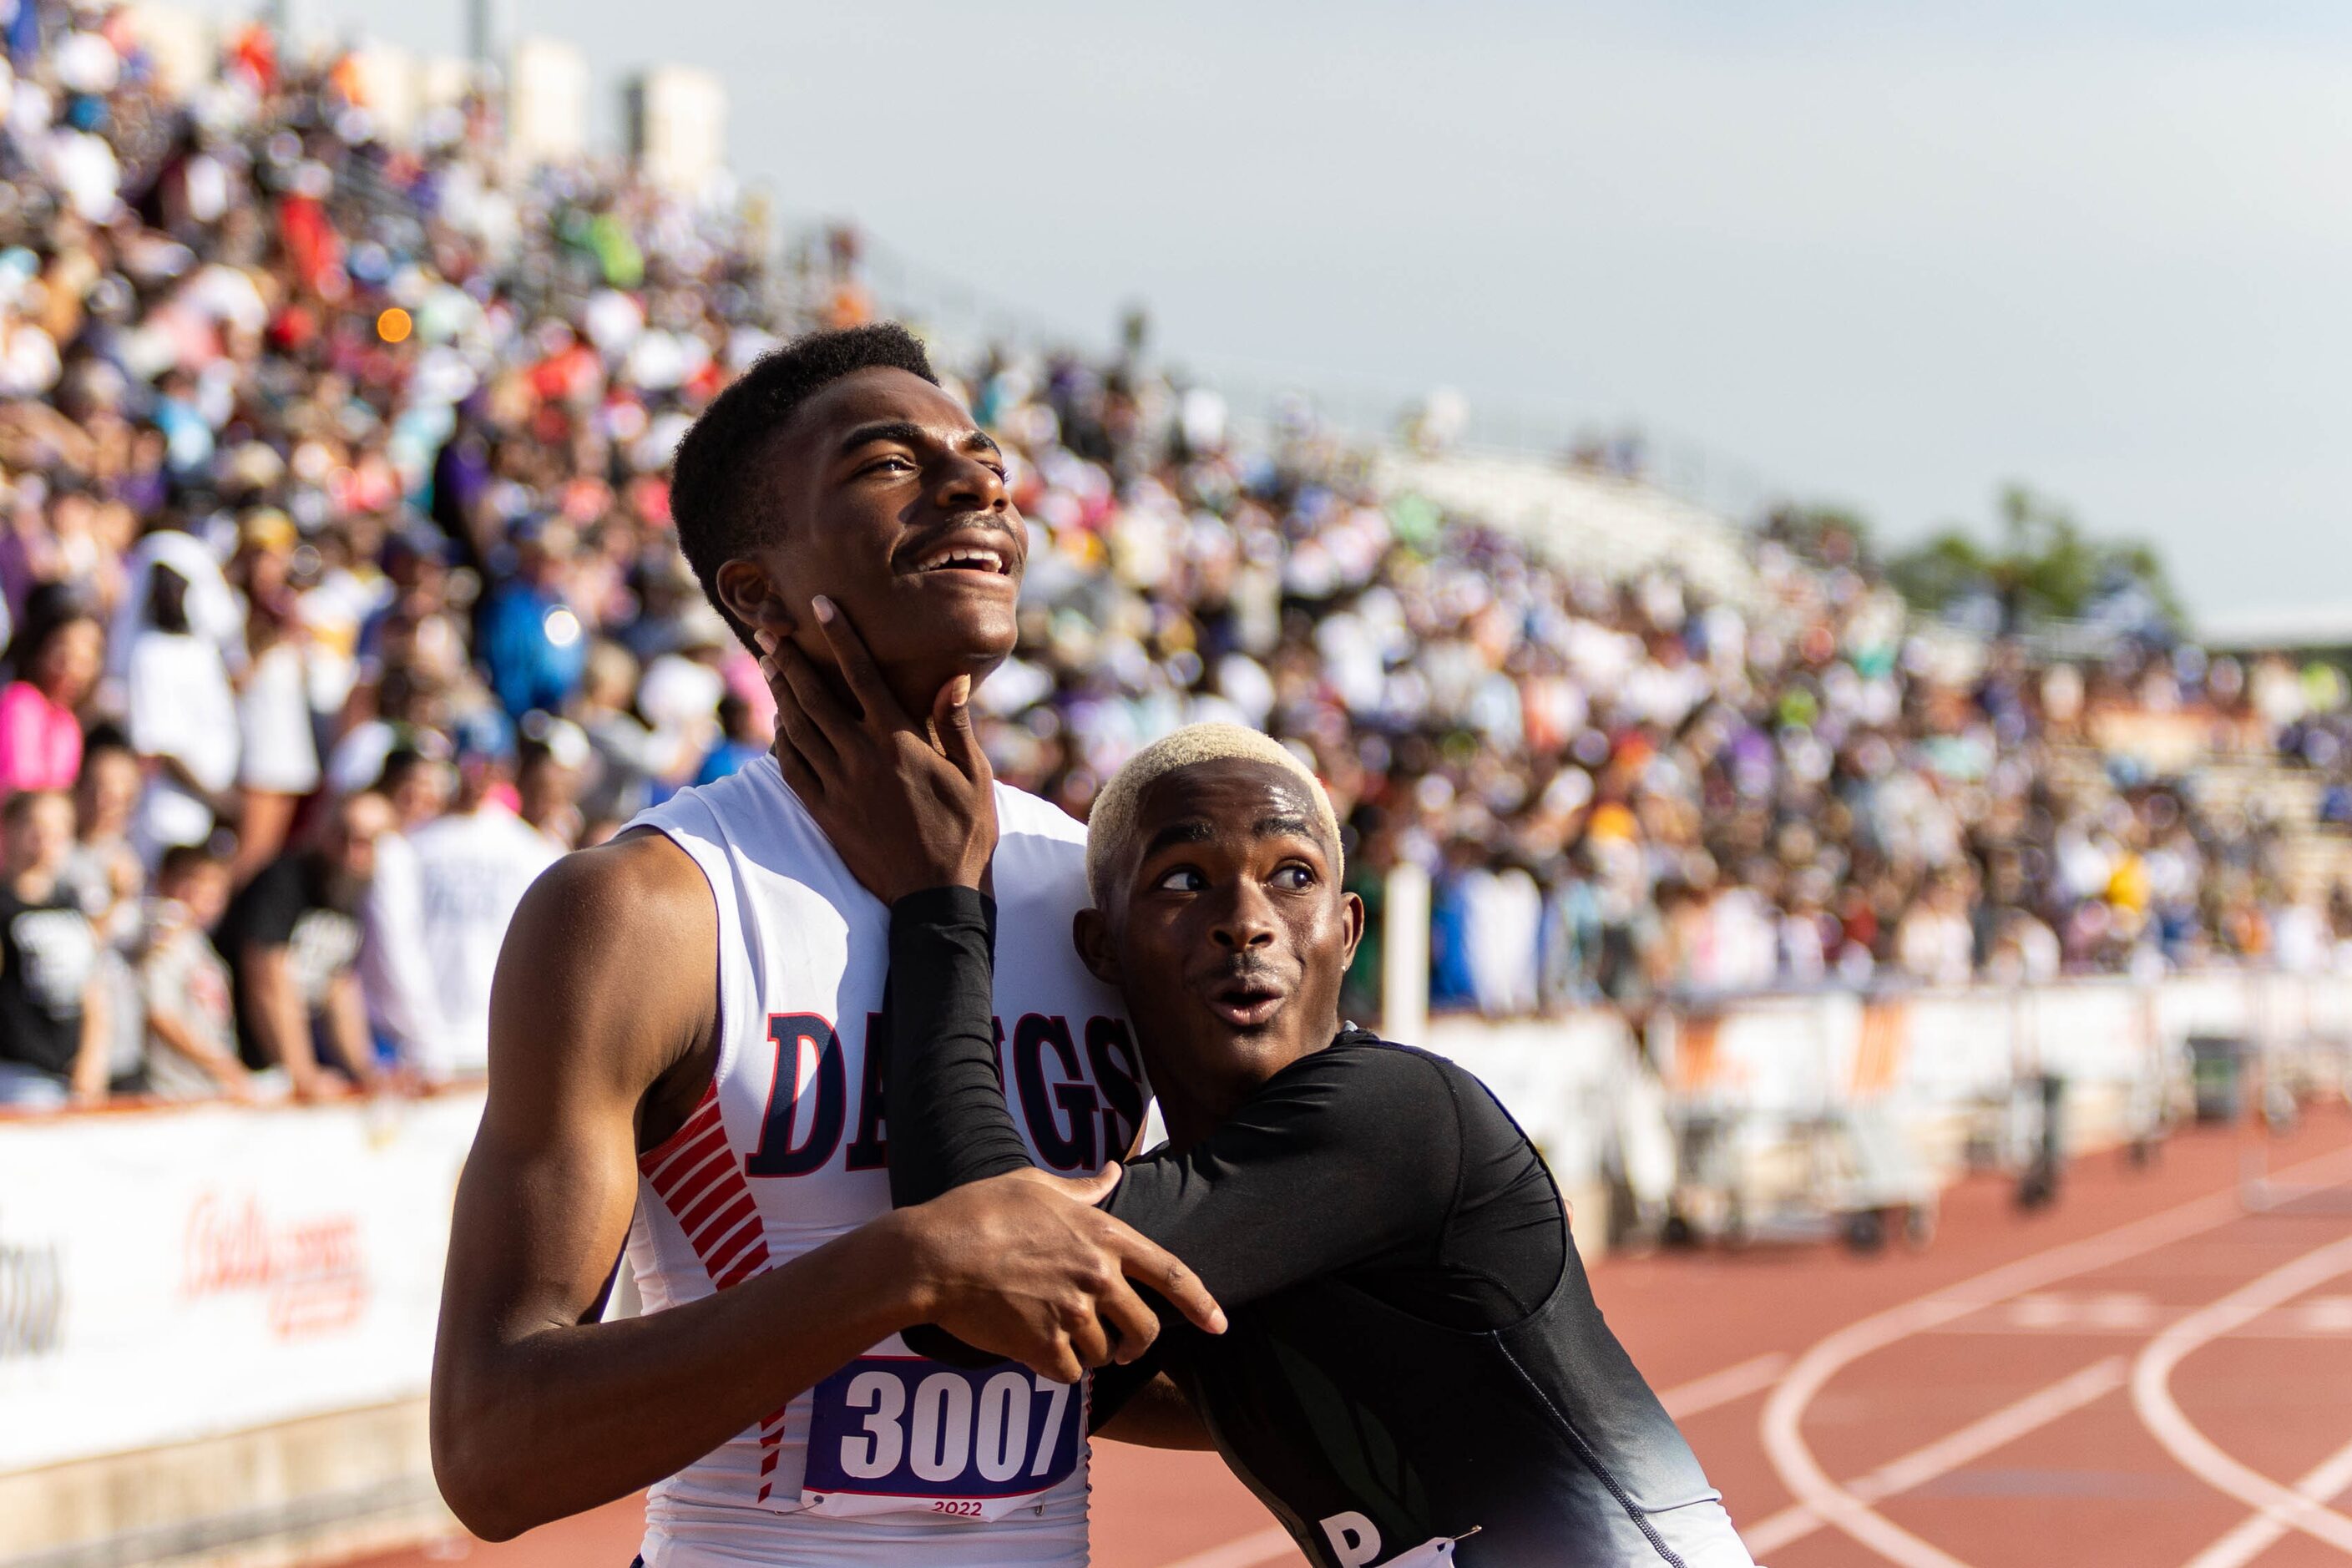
(531, 638)
(739, 742)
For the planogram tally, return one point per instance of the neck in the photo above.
(916, 686)
(1195, 1109)
(33, 885)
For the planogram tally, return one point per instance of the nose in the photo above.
(966, 483)
(1246, 922)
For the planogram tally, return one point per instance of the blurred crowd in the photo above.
(339, 598)
(1621, 791)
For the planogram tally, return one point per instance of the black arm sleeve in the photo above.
(949, 1122)
(1348, 1156)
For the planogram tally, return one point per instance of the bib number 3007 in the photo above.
(905, 1434)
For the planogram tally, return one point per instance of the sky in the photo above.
(1888, 258)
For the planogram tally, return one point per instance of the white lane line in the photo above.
(1941, 1458)
(2258, 1532)
(1719, 1388)
(2198, 1454)
(1784, 1442)
(1266, 1546)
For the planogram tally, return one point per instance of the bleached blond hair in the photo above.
(1112, 822)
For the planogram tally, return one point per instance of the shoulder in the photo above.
(637, 886)
(1041, 850)
(1481, 1119)
(1040, 867)
(1360, 1081)
(633, 917)
(607, 979)
(753, 792)
(1033, 816)
(1363, 1064)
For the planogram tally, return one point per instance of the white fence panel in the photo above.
(2091, 1031)
(1959, 1048)
(178, 1274)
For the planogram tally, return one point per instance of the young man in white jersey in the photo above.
(679, 1056)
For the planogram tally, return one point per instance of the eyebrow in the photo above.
(1281, 827)
(1191, 830)
(1199, 830)
(906, 432)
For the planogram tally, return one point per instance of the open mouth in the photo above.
(987, 560)
(1246, 1004)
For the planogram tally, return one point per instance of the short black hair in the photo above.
(182, 858)
(712, 484)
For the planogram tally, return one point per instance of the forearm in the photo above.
(89, 1060)
(566, 1419)
(275, 1011)
(949, 1122)
(347, 1031)
(220, 1066)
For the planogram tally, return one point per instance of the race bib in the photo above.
(905, 1434)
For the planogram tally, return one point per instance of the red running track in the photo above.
(2147, 1376)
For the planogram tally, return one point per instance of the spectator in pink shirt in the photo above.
(57, 659)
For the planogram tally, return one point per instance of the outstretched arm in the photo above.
(604, 991)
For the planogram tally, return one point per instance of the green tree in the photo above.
(2044, 568)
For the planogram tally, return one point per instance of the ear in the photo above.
(1091, 935)
(1351, 910)
(747, 593)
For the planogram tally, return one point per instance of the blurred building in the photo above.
(547, 103)
(678, 127)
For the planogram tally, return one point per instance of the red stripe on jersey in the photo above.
(753, 1262)
(700, 1120)
(694, 1181)
(734, 1207)
(695, 1217)
(728, 1245)
(695, 1174)
(687, 1160)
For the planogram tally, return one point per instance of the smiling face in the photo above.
(1227, 932)
(890, 501)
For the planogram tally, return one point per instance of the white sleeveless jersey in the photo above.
(912, 1462)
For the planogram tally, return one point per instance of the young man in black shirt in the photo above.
(52, 1008)
(291, 938)
(1415, 1365)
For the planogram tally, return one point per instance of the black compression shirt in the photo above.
(1413, 1349)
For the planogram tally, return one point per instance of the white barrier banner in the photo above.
(168, 1275)
(1786, 1056)
(2092, 1031)
(1959, 1048)
(1557, 1076)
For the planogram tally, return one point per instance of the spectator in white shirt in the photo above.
(473, 867)
(1933, 943)
(182, 720)
(396, 976)
(279, 757)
